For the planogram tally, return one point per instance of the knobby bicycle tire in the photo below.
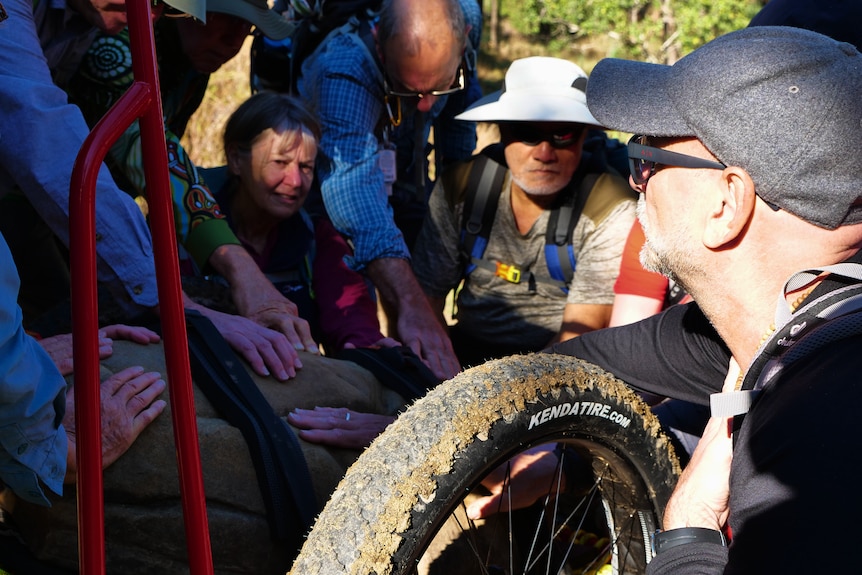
(386, 511)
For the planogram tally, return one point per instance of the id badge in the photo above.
(386, 160)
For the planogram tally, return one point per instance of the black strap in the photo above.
(484, 186)
(561, 225)
(674, 295)
(831, 313)
(833, 298)
(282, 472)
(397, 368)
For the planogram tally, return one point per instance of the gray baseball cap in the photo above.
(783, 103)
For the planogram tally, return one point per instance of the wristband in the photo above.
(664, 540)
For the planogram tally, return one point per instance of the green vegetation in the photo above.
(649, 30)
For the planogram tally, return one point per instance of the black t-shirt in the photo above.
(676, 354)
(793, 482)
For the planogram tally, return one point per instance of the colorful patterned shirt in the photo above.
(105, 75)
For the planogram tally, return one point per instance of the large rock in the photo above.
(143, 514)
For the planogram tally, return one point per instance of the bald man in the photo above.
(378, 86)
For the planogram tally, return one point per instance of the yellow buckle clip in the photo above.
(509, 273)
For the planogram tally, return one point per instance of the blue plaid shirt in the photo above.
(343, 82)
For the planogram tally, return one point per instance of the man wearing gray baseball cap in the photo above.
(750, 189)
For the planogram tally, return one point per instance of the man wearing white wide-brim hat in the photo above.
(515, 297)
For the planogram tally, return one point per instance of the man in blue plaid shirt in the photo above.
(377, 94)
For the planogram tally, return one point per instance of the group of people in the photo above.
(63, 66)
(741, 186)
(748, 190)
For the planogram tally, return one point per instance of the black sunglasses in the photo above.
(533, 135)
(643, 160)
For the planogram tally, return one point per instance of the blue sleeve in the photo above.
(32, 401)
(40, 135)
(345, 87)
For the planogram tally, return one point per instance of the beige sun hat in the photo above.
(195, 8)
(272, 24)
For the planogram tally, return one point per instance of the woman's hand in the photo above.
(338, 426)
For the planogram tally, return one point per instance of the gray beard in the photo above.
(535, 191)
(653, 259)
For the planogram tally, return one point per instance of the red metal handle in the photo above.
(141, 101)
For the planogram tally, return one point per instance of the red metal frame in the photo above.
(141, 101)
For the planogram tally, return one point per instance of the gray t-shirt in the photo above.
(495, 310)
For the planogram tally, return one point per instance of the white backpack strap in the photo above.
(805, 277)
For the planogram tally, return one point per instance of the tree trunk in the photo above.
(494, 24)
(670, 46)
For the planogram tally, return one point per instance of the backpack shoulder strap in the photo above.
(594, 195)
(840, 299)
(812, 331)
(833, 315)
(608, 191)
(559, 254)
(478, 183)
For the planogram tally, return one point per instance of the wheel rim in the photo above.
(601, 529)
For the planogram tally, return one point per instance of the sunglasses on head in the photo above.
(533, 135)
(644, 158)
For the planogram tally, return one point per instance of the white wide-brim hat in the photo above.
(536, 89)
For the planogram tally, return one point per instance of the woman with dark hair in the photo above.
(270, 143)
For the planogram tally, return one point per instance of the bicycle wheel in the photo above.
(402, 497)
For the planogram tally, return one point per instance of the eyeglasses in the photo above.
(533, 135)
(643, 160)
(459, 84)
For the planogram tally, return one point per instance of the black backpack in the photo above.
(276, 65)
